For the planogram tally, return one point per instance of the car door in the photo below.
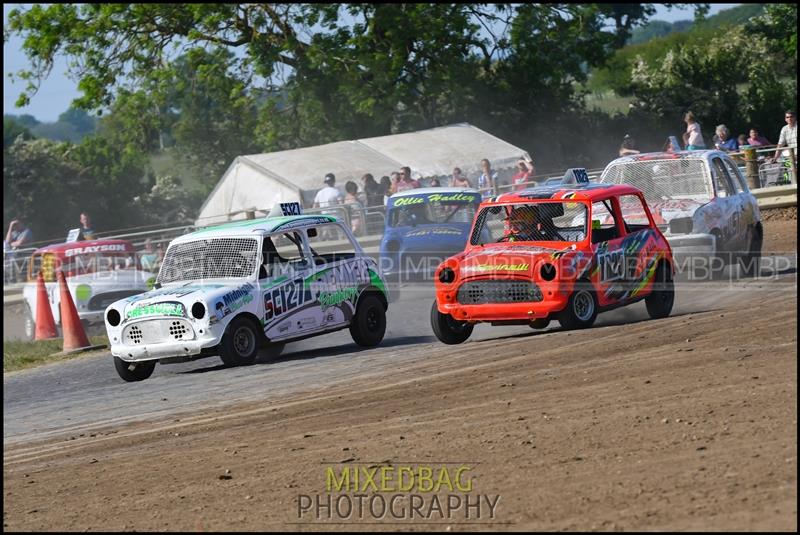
(290, 308)
(641, 254)
(607, 245)
(728, 212)
(747, 206)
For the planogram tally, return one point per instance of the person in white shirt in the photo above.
(328, 195)
(692, 138)
(788, 136)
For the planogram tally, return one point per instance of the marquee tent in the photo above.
(256, 182)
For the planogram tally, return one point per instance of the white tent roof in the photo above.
(258, 181)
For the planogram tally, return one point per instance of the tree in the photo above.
(12, 129)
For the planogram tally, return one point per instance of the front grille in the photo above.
(101, 301)
(157, 331)
(495, 291)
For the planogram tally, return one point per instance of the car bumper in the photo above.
(692, 249)
(498, 312)
(185, 348)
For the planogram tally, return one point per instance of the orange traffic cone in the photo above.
(74, 336)
(45, 324)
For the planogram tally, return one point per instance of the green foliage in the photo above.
(779, 25)
(12, 129)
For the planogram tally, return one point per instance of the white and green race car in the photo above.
(241, 287)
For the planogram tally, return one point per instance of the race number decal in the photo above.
(291, 208)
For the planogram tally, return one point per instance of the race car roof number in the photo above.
(286, 209)
(576, 175)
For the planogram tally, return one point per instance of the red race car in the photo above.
(566, 252)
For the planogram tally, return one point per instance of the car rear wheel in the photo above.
(134, 371)
(659, 302)
(752, 261)
(581, 309)
(447, 329)
(240, 344)
(369, 322)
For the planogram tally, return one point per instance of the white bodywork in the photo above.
(190, 312)
(705, 187)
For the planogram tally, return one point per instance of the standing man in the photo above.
(487, 179)
(18, 236)
(87, 232)
(406, 182)
(788, 138)
(326, 197)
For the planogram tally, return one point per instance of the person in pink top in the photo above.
(756, 139)
(523, 175)
(692, 138)
(406, 182)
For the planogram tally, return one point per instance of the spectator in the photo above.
(459, 180)
(406, 182)
(386, 188)
(149, 257)
(788, 136)
(17, 237)
(628, 146)
(394, 181)
(692, 138)
(372, 190)
(523, 175)
(328, 195)
(356, 208)
(487, 179)
(87, 232)
(723, 140)
(756, 139)
(742, 140)
(434, 183)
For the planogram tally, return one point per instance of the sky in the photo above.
(57, 91)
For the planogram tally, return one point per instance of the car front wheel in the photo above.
(581, 309)
(448, 329)
(134, 371)
(240, 344)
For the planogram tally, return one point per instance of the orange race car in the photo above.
(566, 252)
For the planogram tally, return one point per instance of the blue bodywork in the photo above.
(422, 230)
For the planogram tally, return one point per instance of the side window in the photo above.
(736, 177)
(321, 251)
(604, 224)
(722, 183)
(633, 213)
(282, 254)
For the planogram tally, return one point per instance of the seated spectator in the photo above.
(742, 140)
(756, 139)
(723, 140)
(356, 208)
(523, 175)
(459, 180)
(628, 146)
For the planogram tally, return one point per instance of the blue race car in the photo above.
(424, 226)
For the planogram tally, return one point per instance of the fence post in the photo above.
(793, 164)
(751, 167)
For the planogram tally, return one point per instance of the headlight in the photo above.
(198, 310)
(547, 271)
(447, 275)
(112, 317)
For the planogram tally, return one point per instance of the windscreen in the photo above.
(539, 222)
(209, 259)
(679, 178)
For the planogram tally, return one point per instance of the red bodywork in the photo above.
(65, 256)
(638, 249)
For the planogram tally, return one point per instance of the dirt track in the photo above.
(688, 423)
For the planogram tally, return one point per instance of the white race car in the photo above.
(233, 289)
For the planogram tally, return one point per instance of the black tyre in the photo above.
(540, 323)
(752, 261)
(369, 322)
(581, 309)
(271, 351)
(448, 329)
(134, 371)
(659, 302)
(241, 342)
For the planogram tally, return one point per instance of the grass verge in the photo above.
(19, 355)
